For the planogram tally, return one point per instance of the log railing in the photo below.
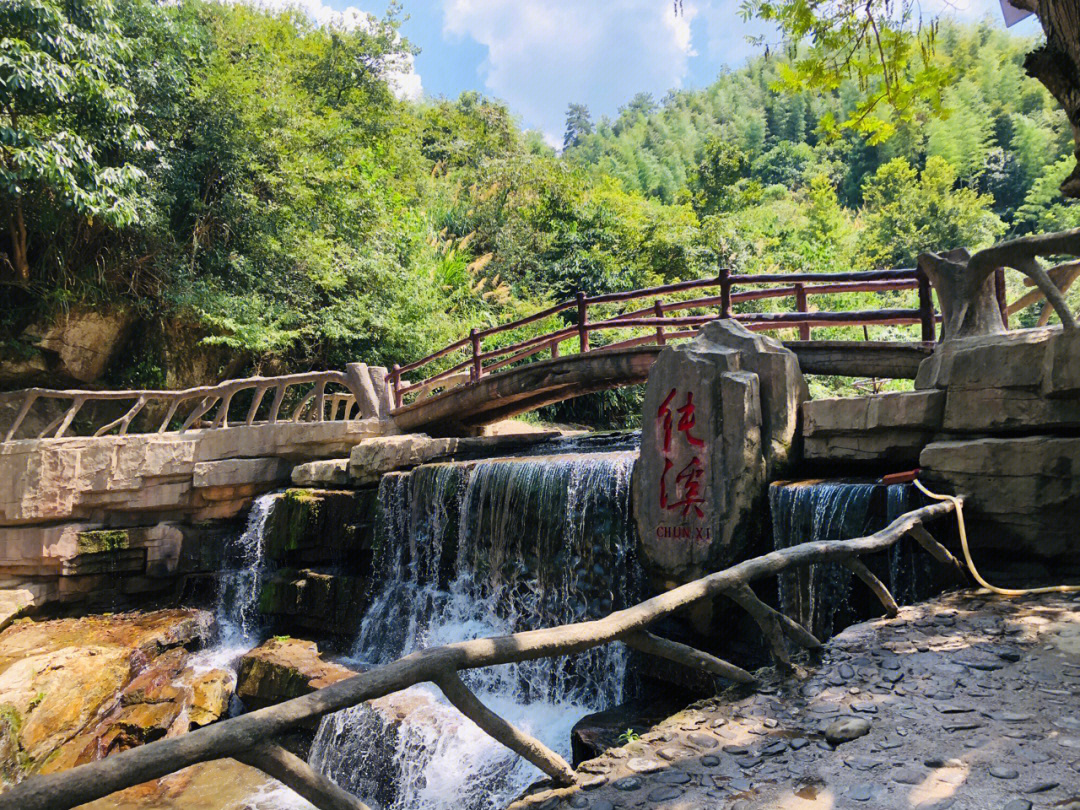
(208, 406)
(251, 738)
(663, 327)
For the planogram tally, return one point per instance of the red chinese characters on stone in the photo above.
(684, 492)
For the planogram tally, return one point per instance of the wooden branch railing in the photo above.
(316, 405)
(663, 327)
(249, 738)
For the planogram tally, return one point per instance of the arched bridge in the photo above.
(614, 345)
(591, 343)
(533, 385)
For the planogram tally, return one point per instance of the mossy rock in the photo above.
(101, 540)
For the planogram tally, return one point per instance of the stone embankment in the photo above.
(967, 702)
(121, 516)
(996, 418)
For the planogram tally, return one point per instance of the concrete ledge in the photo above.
(1023, 494)
(238, 471)
(891, 427)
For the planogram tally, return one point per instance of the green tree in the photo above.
(907, 212)
(70, 128)
(578, 125)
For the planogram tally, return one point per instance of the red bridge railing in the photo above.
(664, 327)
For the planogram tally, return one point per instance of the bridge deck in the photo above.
(533, 385)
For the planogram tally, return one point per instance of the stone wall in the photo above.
(128, 514)
(995, 418)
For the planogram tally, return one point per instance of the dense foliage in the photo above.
(252, 174)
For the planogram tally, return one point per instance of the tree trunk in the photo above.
(1057, 65)
(17, 227)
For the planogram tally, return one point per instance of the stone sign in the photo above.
(719, 419)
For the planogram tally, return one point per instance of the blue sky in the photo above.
(541, 55)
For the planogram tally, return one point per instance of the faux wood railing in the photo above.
(665, 328)
(251, 738)
(317, 404)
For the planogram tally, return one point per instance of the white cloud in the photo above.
(544, 54)
(401, 75)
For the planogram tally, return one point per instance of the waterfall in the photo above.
(474, 549)
(236, 608)
(911, 570)
(834, 510)
(806, 512)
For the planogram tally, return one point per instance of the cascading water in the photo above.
(236, 608)
(807, 512)
(477, 549)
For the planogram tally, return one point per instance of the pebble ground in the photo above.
(973, 703)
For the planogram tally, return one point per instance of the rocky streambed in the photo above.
(75, 690)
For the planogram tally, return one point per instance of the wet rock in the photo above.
(284, 668)
(846, 729)
(627, 784)
(1018, 804)
(595, 733)
(210, 693)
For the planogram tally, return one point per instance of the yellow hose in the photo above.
(958, 505)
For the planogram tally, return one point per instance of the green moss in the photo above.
(103, 540)
(14, 763)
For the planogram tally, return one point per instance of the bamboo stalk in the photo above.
(503, 732)
(686, 655)
(892, 610)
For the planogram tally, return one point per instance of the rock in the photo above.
(56, 678)
(1018, 804)
(720, 421)
(329, 473)
(595, 733)
(284, 668)
(311, 601)
(309, 527)
(232, 472)
(891, 427)
(846, 729)
(210, 693)
(80, 344)
(372, 458)
(1021, 494)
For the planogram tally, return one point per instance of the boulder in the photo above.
(81, 342)
(283, 668)
(210, 693)
(720, 421)
(57, 677)
(372, 458)
(329, 473)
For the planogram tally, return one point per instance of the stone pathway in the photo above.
(968, 702)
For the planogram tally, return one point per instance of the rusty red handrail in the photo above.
(797, 285)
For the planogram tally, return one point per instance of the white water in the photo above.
(236, 611)
(481, 549)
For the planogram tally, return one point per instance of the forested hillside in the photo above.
(244, 186)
